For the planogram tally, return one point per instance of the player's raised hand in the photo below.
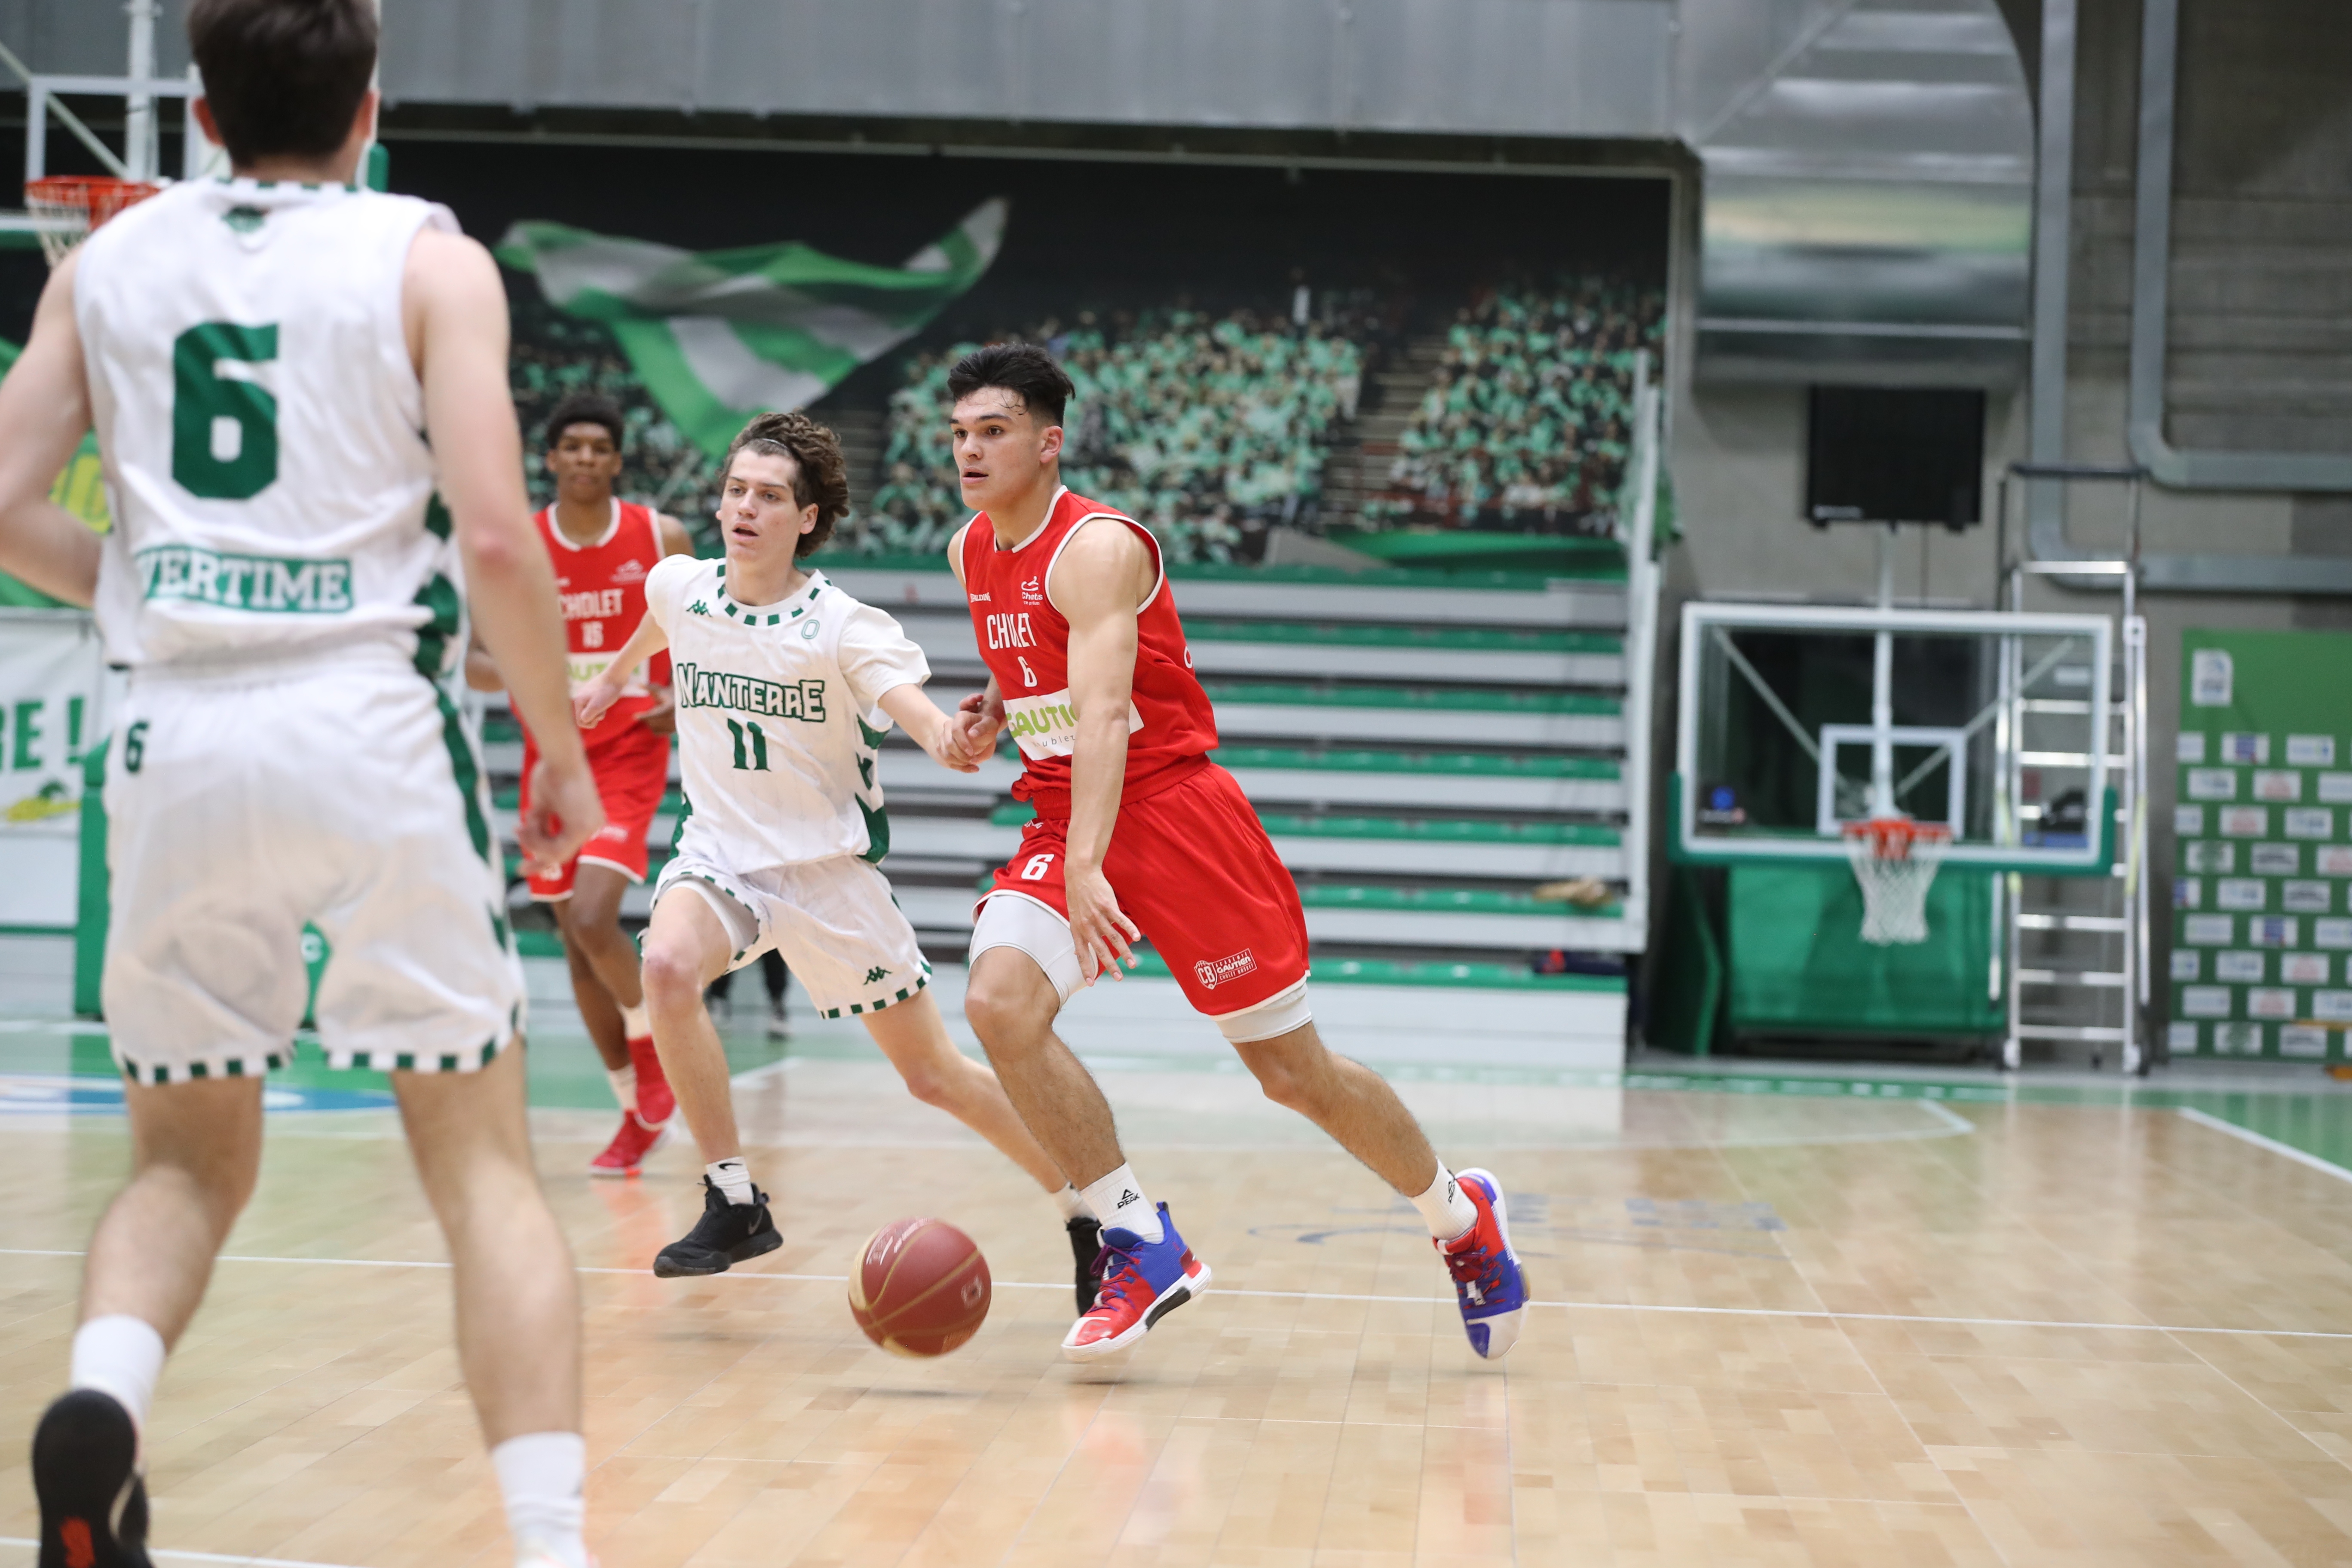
(564, 811)
(1100, 929)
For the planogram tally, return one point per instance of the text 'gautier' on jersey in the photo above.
(601, 587)
(779, 727)
(1025, 642)
(261, 427)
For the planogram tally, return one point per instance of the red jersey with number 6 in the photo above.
(602, 587)
(1026, 641)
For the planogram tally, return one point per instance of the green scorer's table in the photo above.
(2262, 955)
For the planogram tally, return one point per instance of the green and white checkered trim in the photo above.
(903, 993)
(472, 1060)
(190, 1072)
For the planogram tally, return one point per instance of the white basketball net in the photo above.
(1895, 859)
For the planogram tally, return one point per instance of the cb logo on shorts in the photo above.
(1214, 973)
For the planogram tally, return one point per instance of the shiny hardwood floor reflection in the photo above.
(1774, 1329)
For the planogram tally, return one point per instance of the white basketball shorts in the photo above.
(345, 794)
(834, 920)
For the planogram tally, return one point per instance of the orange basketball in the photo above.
(919, 1288)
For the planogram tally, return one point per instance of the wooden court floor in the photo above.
(1773, 1330)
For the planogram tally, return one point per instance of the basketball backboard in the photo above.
(1992, 724)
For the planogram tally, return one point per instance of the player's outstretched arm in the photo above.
(978, 719)
(1098, 584)
(911, 707)
(455, 310)
(597, 696)
(45, 409)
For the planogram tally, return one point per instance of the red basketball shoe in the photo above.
(1142, 1283)
(655, 1103)
(626, 1154)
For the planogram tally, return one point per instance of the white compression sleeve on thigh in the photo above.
(1278, 1015)
(1010, 920)
(541, 1476)
(121, 1356)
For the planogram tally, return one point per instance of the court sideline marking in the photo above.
(1346, 1296)
(2247, 1135)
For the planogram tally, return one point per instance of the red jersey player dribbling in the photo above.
(1139, 833)
(1190, 864)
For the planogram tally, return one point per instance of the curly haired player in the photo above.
(785, 687)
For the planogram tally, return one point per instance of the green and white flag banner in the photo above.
(717, 336)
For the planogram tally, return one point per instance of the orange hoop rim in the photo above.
(88, 191)
(1892, 838)
(92, 198)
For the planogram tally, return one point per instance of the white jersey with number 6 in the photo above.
(261, 425)
(778, 731)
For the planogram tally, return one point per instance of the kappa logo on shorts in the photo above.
(1214, 973)
(876, 972)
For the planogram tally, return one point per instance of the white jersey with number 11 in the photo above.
(778, 734)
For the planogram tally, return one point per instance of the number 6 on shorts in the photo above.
(1037, 868)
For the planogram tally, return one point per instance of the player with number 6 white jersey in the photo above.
(282, 370)
(784, 688)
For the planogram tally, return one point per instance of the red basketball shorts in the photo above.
(1196, 873)
(632, 770)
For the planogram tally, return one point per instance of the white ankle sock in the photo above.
(635, 1023)
(1118, 1199)
(540, 1474)
(121, 1356)
(624, 1085)
(1446, 1207)
(732, 1177)
(1067, 1200)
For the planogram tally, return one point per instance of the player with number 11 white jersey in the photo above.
(784, 687)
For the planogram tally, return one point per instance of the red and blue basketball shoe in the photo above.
(1142, 1283)
(1486, 1278)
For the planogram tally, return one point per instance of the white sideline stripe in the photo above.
(2245, 1135)
(196, 1556)
(1393, 1301)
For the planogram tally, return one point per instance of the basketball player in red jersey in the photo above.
(603, 547)
(1139, 834)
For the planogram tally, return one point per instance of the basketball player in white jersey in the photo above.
(784, 687)
(265, 358)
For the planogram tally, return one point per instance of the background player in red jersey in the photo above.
(603, 547)
(1139, 834)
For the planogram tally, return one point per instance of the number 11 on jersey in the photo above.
(758, 761)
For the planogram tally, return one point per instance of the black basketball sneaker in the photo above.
(86, 1473)
(1086, 1245)
(726, 1235)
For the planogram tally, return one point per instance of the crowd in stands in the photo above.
(554, 354)
(1211, 427)
(1529, 419)
(1206, 428)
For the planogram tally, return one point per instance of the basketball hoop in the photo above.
(82, 201)
(1895, 859)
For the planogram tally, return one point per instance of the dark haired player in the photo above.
(282, 369)
(785, 687)
(1137, 833)
(602, 548)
